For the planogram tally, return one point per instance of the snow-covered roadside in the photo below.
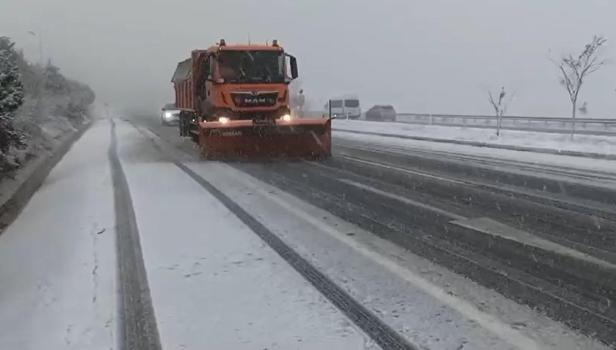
(47, 139)
(402, 145)
(527, 139)
(214, 283)
(44, 123)
(16, 190)
(57, 260)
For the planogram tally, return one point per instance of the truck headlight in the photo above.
(286, 118)
(223, 120)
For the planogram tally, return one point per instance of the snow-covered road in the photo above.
(214, 278)
(214, 283)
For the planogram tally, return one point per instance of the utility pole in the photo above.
(40, 46)
(43, 81)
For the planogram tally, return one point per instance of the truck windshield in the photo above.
(251, 66)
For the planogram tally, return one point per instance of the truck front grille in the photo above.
(254, 99)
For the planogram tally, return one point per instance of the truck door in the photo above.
(205, 87)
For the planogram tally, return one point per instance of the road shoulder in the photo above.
(57, 259)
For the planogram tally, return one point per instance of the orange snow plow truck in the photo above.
(234, 102)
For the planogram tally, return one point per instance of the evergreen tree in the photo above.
(11, 96)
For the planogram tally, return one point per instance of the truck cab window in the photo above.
(251, 66)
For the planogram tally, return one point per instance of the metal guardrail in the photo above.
(588, 126)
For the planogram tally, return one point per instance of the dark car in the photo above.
(381, 113)
(169, 115)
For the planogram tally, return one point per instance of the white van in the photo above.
(344, 108)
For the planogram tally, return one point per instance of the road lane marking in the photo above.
(413, 172)
(405, 200)
(495, 228)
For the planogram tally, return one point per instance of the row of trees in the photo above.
(49, 92)
(11, 98)
(573, 70)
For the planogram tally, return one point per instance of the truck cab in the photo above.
(234, 82)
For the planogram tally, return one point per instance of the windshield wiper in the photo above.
(252, 59)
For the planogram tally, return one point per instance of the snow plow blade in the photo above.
(297, 138)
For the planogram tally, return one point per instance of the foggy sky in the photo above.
(436, 56)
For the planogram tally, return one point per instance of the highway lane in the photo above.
(383, 300)
(569, 286)
(543, 236)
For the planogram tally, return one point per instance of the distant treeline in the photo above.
(48, 81)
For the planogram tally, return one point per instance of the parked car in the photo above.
(169, 115)
(381, 113)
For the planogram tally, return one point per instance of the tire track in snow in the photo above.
(381, 333)
(137, 326)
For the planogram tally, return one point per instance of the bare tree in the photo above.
(574, 70)
(500, 107)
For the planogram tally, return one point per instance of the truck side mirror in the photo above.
(294, 73)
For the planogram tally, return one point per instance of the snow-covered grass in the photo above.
(527, 139)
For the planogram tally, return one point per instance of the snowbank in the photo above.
(522, 140)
